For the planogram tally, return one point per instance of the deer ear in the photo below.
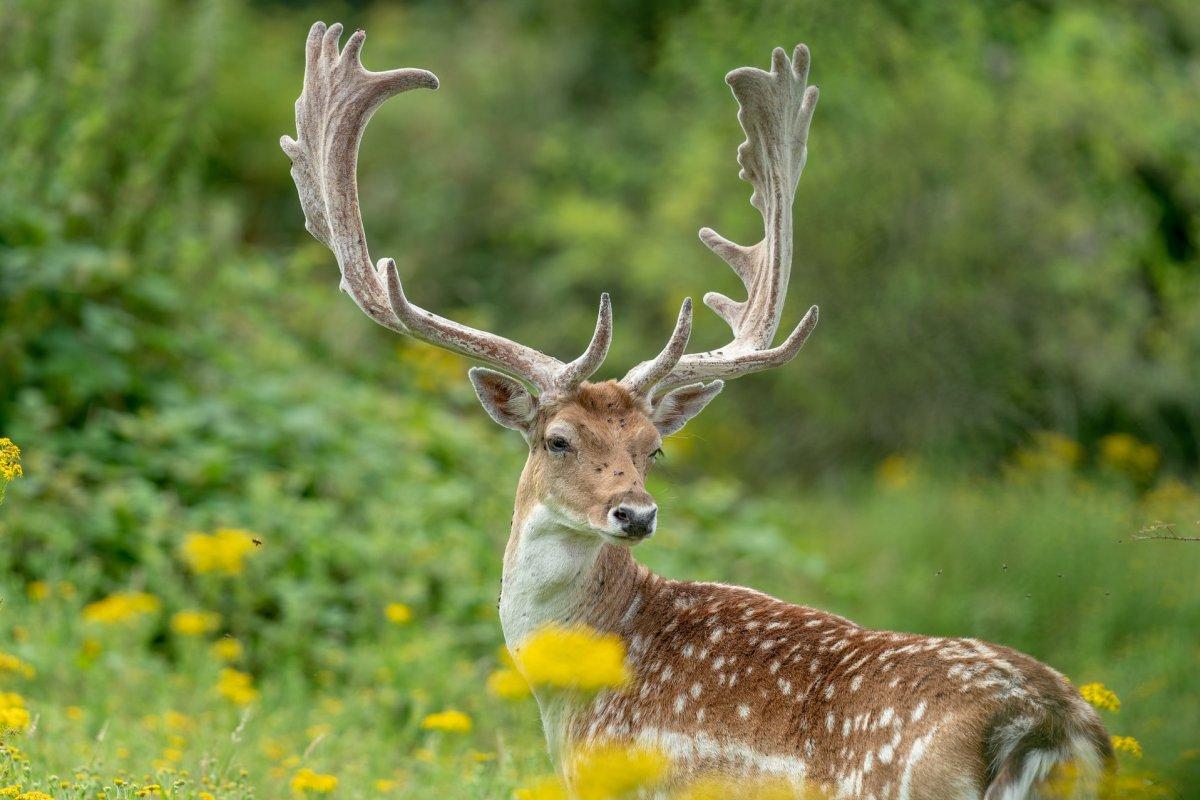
(505, 399)
(673, 410)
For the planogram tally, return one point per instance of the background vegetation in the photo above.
(999, 220)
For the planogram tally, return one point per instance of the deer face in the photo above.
(589, 452)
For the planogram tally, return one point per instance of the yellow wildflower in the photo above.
(613, 771)
(896, 472)
(148, 789)
(549, 788)
(11, 664)
(172, 755)
(1127, 744)
(206, 796)
(1100, 696)
(508, 684)
(74, 713)
(434, 369)
(34, 796)
(306, 780)
(573, 658)
(1124, 453)
(449, 720)
(385, 785)
(10, 460)
(178, 721)
(227, 648)
(10, 791)
(13, 714)
(237, 686)
(37, 590)
(398, 613)
(121, 607)
(195, 623)
(1048, 452)
(223, 552)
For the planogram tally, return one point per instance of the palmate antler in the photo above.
(338, 100)
(776, 109)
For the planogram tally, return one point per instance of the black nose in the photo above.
(635, 520)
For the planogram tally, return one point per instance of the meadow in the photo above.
(254, 548)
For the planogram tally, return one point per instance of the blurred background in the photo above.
(999, 219)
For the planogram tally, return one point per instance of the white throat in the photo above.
(543, 574)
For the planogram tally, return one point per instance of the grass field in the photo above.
(327, 646)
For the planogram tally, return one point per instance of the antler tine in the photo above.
(338, 99)
(645, 377)
(582, 368)
(775, 111)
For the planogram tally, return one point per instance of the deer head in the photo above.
(590, 445)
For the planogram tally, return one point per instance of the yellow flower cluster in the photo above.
(896, 472)
(10, 664)
(398, 613)
(228, 649)
(1048, 452)
(10, 460)
(13, 714)
(508, 684)
(573, 658)
(1100, 696)
(547, 788)
(121, 607)
(307, 780)
(450, 721)
(237, 687)
(1127, 744)
(433, 368)
(223, 552)
(613, 771)
(195, 623)
(1124, 453)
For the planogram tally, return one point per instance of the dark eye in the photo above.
(557, 444)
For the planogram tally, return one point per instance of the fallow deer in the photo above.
(725, 680)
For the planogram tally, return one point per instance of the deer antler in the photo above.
(338, 100)
(776, 109)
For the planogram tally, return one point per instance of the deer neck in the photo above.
(557, 574)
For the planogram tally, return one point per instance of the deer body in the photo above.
(732, 681)
(725, 680)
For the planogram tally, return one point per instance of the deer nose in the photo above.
(636, 521)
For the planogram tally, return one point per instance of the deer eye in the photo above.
(557, 444)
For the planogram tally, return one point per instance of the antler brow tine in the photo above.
(337, 101)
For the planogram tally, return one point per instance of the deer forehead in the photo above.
(602, 417)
